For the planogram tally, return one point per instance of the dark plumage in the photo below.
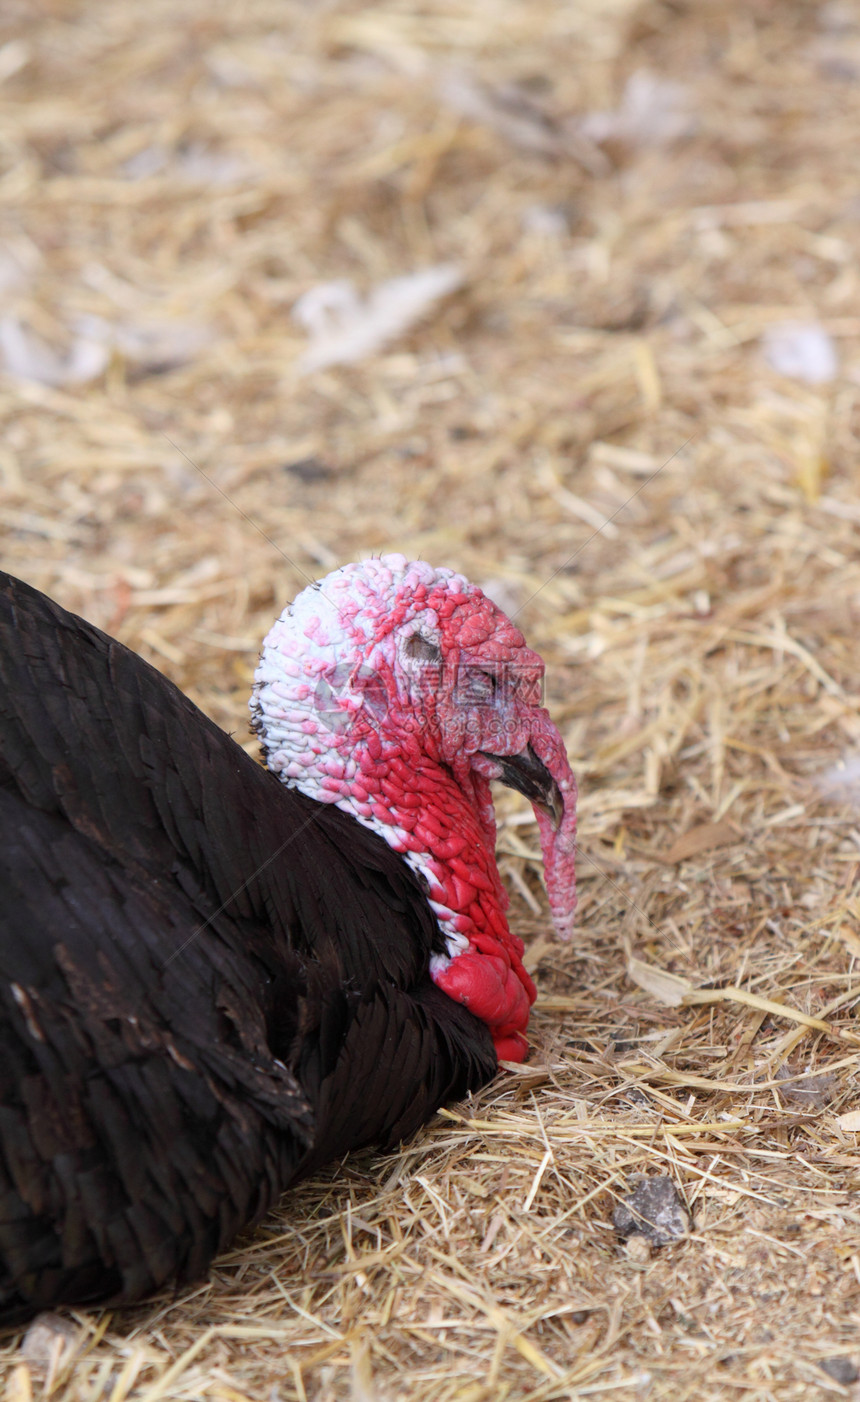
(209, 983)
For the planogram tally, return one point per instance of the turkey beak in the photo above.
(525, 773)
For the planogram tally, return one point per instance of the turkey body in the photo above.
(210, 984)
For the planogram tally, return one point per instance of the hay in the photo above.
(639, 200)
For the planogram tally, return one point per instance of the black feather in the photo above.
(209, 984)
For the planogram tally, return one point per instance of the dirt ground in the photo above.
(620, 389)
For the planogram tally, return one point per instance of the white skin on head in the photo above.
(388, 689)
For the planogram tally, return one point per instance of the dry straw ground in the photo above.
(174, 177)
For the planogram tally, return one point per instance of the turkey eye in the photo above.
(477, 687)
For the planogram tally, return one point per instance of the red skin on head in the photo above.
(456, 826)
(439, 682)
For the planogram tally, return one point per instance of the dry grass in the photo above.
(184, 172)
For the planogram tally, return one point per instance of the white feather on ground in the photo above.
(653, 111)
(802, 351)
(27, 357)
(344, 327)
(151, 345)
(841, 780)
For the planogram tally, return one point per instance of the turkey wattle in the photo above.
(399, 691)
(212, 982)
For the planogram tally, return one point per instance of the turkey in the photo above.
(214, 976)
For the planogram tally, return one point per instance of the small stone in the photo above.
(309, 469)
(623, 1039)
(811, 1094)
(841, 1370)
(638, 1249)
(653, 1210)
(50, 1344)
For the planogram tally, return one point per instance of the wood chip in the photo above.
(706, 837)
(665, 987)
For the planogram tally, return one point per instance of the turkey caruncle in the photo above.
(212, 982)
